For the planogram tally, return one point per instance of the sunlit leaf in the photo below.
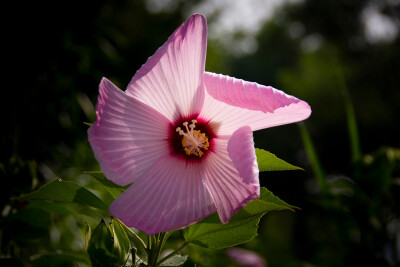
(269, 162)
(241, 228)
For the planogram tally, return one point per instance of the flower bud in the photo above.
(108, 245)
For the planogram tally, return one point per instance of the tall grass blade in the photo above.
(350, 114)
(314, 161)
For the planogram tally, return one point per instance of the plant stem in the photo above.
(160, 244)
(149, 237)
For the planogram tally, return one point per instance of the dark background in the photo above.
(57, 52)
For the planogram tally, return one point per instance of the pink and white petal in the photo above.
(242, 152)
(171, 196)
(231, 103)
(171, 81)
(128, 137)
(232, 183)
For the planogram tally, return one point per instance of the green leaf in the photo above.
(112, 188)
(242, 227)
(26, 224)
(54, 207)
(175, 260)
(33, 216)
(269, 162)
(66, 191)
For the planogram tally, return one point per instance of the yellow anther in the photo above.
(193, 142)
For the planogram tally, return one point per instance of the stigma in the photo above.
(194, 142)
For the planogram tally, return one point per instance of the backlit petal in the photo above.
(171, 80)
(241, 151)
(231, 173)
(171, 196)
(231, 103)
(128, 136)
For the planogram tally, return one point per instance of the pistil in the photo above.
(194, 142)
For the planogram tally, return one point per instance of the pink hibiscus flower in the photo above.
(183, 136)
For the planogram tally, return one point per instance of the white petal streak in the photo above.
(171, 195)
(128, 136)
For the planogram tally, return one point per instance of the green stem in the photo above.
(149, 251)
(149, 237)
(160, 244)
(133, 253)
(172, 254)
(167, 235)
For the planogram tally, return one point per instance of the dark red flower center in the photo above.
(191, 138)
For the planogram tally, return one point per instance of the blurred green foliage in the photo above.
(58, 52)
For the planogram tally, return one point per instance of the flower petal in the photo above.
(231, 103)
(128, 136)
(241, 151)
(171, 196)
(246, 257)
(171, 81)
(231, 173)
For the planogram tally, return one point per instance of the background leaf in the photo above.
(66, 191)
(242, 227)
(175, 260)
(62, 258)
(29, 223)
(269, 162)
